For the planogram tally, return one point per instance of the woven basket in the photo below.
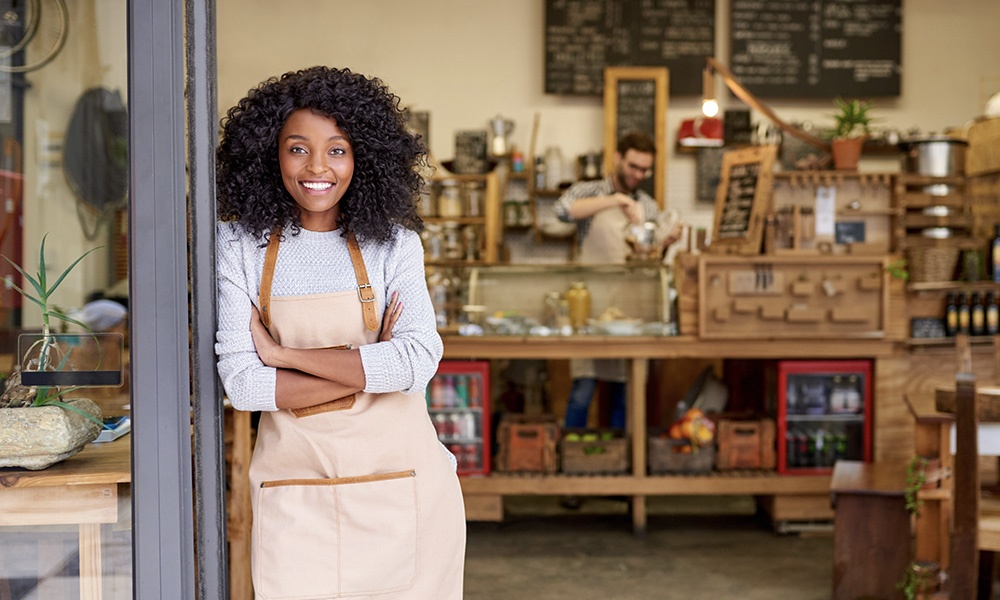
(983, 155)
(933, 263)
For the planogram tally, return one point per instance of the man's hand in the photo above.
(392, 313)
(631, 208)
(267, 349)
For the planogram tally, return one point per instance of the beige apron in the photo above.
(604, 244)
(356, 497)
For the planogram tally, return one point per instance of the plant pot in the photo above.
(846, 153)
(37, 437)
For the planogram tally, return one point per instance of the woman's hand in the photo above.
(389, 318)
(267, 348)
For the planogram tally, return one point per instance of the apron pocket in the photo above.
(323, 538)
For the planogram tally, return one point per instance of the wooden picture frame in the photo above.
(742, 200)
(636, 98)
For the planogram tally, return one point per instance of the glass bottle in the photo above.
(992, 314)
(950, 315)
(978, 315)
(578, 297)
(963, 314)
(995, 253)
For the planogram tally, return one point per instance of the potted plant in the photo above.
(37, 426)
(849, 135)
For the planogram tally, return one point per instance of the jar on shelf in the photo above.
(473, 193)
(433, 242)
(578, 297)
(470, 241)
(449, 201)
(452, 247)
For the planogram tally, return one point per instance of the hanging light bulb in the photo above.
(709, 105)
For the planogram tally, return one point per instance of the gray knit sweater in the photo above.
(316, 263)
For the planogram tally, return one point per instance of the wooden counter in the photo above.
(807, 494)
(82, 490)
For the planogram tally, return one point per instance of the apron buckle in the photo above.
(361, 293)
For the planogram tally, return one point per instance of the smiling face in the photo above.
(317, 164)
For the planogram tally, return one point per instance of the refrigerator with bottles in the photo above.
(824, 414)
(458, 400)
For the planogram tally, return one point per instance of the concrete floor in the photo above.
(695, 547)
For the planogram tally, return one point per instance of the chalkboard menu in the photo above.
(741, 199)
(816, 48)
(582, 37)
(635, 98)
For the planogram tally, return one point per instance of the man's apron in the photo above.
(604, 244)
(355, 497)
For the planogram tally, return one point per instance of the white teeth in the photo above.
(317, 186)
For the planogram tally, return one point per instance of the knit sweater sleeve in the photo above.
(248, 383)
(409, 360)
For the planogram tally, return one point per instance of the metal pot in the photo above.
(934, 156)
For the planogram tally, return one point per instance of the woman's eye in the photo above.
(338, 151)
(297, 150)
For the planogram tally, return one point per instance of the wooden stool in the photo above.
(871, 529)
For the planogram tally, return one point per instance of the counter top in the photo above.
(599, 346)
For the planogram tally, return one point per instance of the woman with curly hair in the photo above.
(352, 493)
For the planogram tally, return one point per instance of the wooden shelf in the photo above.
(975, 340)
(953, 286)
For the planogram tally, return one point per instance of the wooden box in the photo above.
(527, 443)
(745, 444)
(593, 451)
(677, 456)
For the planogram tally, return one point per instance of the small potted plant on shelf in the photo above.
(850, 132)
(38, 427)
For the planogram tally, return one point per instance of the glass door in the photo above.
(64, 181)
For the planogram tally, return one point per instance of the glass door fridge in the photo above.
(824, 414)
(458, 400)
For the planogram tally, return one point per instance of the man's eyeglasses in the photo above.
(644, 171)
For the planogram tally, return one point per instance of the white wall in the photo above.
(467, 61)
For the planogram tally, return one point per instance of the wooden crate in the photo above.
(745, 444)
(606, 453)
(527, 443)
(665, 456)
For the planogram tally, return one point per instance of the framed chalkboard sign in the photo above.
(582, 37)
(635, 98)
(741, 200)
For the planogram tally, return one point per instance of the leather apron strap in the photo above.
(270, 259)
(365, 291)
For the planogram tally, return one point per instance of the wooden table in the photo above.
(82, 490)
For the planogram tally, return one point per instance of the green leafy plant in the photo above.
(49, 356)
(916, 476)
(852, 118)
(910, 583)
(898, 270)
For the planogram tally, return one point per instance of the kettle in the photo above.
(500, 128)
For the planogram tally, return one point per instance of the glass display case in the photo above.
(824, 413)
(458, 400)
(630, 299)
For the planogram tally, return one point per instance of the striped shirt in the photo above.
(593, 189)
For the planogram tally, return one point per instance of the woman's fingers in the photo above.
(390, 317)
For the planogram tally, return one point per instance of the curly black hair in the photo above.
(387, 157)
